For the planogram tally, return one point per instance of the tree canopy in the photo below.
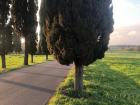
(16, 43)
(25, 23)
(77, 30)
(33, 19)
(24, 18)
(43, 43)
(5, 30)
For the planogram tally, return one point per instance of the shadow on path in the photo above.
(40, 74)
(28, 86)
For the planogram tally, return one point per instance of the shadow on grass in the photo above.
(104, 86)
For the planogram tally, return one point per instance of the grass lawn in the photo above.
(15, 61)
(114, 80)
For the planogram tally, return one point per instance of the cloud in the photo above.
(126, 12)
(132, 33)
(126, 35)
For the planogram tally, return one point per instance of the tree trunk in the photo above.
(46, 57)
(3, 61)
(32, 58)
(78, 82)
(26, 52)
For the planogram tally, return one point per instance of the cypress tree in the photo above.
(5, 31)
(43, 43)
(39, 51)
(16, 43)
(23, 14)
(77, 31)
(33, 22)
(32, 45)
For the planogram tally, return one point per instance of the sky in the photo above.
(127, 22)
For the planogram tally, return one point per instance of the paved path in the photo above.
(32, 85)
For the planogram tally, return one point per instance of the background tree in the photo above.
(16, 43)
(33, 21)
(23, 14)
(78, 31)
(39, 51)
(32, 45)
(5, 31)
(43, 43)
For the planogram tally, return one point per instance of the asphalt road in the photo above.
(33, 85)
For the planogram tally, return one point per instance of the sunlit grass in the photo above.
(14, 61)
(114, 80)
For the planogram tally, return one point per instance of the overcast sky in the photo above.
(127, 22)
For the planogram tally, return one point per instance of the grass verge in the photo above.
(16, 61)
(114, 80)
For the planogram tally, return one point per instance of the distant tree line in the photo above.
(18, 19)
(125, 47)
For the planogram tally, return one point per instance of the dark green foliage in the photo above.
(25, 23)
(32, 43)
(6, 40)
(43, 43)
(21, 23)
(17, 43)
(5, 29)
(23, 16)
(33, 19)
(42, 14)
(19, 15)
(77, 30)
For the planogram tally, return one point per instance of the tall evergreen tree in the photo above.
(77, 31)
(33, 7)
(39, 51)
(5, 31)
(16, 43)
(32, 45)
(43, 43)
(23, 14)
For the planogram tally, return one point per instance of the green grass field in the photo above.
(15, 61)
(114, 80)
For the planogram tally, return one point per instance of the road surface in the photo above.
(32, 85)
